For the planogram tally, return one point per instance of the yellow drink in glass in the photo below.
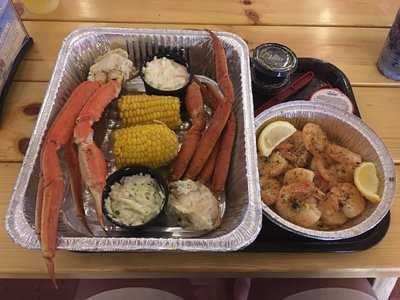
(41, 6)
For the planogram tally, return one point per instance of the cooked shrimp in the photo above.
(331, 213)
(273, 166)
(270, 188)
(313, 164)
(325, 170)
(296, 203)
(320, 183)
(298, 175)
(309, 215)
(333, 173)
(349, 199)
(344, 172)
(315, 139)
(294, 150)
(342, 155)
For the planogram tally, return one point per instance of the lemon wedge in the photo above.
(272, 135)
(367, 181)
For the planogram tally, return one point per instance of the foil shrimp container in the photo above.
(347, 130)
(242, 209)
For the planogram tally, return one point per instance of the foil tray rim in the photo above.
(250, 224)
(389, 169)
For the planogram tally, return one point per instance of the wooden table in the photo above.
(349, 34)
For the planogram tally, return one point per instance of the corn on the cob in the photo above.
(142, 109)
(151, 145)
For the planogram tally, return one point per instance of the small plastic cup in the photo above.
(175, 56)
(389, 59)
(130, 171)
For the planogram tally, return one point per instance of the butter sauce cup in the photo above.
(176, 56)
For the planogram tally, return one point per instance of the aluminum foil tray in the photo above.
(344, 129)
(242, 216)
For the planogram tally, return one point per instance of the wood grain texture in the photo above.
(379, 108)
(367, 13)
(349, 34)
(327, 43)
(381, 260)
(17, 125)
(34, 70)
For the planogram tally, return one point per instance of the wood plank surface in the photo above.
(19, 117)
(349, 34)
(34, 70)
(327, 43)
(379, 108)
(381, 260)
(367, 13)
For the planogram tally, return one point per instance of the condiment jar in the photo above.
(271, 67)
(333, 97)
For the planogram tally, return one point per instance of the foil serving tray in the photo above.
(346, 129)
(243, 214)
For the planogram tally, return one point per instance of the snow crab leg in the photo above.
(212, 97)
(228, 136)
(75, 179)
(194, 106)
(38, 205)
(224, 155)
(224, 152)
(207, 172)
(221, 114)
(51, 183)
(91, 160)
(221, 69)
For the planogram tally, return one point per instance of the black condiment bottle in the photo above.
(271, 67)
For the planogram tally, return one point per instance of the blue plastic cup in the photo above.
(389, 60)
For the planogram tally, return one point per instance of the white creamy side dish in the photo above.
(115, 64)
(165, 74)
(192, 205)
(135, 200)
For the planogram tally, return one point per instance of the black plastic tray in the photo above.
(272, 237)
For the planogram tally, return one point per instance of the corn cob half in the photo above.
(144, 109)
(151, 145)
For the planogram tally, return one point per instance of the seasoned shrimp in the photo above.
(270, 188)
(331, 213)
(315, 139)
(333, 173)
(296, 203)
(313, 164)
(298, 175)
(344, 172)
(342, 155)
(320, 183)
(309, 215)
(325, 170)
(349, 199)
(273, 166)
(294, 150)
